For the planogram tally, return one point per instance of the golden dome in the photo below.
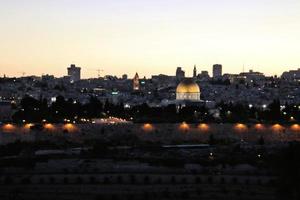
(188, 86)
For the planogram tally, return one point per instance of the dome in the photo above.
(188, 90)
(188, 86)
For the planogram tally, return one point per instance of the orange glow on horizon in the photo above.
(148, 127)
(203, 127)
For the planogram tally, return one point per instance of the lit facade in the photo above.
(188, 90)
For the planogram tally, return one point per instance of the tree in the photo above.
(261, 140)
(274, 111)
(287, 165)
(211, 139)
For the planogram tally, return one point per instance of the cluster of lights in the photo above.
(147, 127)
(113, 120)
(9, 128)
(84, 120)
(67, 120)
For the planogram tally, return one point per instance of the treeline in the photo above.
(274, 112)
(37, 110)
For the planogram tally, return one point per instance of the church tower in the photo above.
(136, 82)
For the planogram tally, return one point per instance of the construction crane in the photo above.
(23, 73)
(99, 71)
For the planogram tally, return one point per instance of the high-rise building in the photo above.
(180, 74)
(292, 75)
(74, 73)
(136, 82)
(203, 75)
(194, 72)
(252, 76)
(217, 71)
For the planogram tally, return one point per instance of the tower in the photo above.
(74, 73)
(194, 72)
(136, 82)
(217, 71)
(180, 74)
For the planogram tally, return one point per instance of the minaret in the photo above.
(136, 82)
(194, 72)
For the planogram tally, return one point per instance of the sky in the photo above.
(149, 37)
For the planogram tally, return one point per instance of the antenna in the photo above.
(98, 71)
(23, 73)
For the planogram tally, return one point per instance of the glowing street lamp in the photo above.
(9, 128)
(295, 127)
(240, 127)
(259, 127)
(184, 126)
(70, 127)
(148, 127)
(49, 127)
(277, 128)
(204, 127)
(28, 126)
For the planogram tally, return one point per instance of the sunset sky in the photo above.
(150, 37)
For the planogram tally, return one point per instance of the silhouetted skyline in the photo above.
(148, 37)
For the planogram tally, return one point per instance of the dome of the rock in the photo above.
(188, 90)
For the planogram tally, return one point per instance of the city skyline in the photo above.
(44, 37)
(187, 73)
